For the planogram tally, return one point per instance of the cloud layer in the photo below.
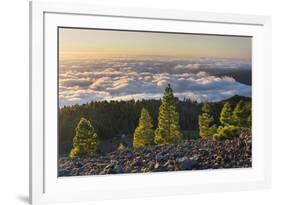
(81, 81)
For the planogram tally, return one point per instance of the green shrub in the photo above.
(121, 148)
(73, 153)
(227, 132)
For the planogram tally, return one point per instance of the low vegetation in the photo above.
(121, 148)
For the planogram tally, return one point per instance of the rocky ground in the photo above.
(191, 155)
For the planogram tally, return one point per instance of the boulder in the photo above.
(159, 157)
(118, 169)
(159, 168)
(187, 164)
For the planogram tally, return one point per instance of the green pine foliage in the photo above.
(226, 116)
(242, 114)
(112, 119)
(168, 130)
(207, 128)
(206, 108)
(85, 141)
(233, 121)
(144, 133)
(227, 132)
(228, 128)
(121, 148)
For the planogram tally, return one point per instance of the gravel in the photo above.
(197, 154)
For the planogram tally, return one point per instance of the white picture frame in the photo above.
(46, 187)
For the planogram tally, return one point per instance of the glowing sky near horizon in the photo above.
(75, 43)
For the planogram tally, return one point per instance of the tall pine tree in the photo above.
(85, 141)
(144, 133)
(168, 130)
(243, 114)
(226, 116)
(206, 126)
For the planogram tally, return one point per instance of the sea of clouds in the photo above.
(85, 80)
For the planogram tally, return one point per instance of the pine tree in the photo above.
(206, 126)
(227, 132)
(85, 141)
(226, 116)
(242, 114)
(144, 134)
(206, 108)
(232, 122)
(168, 130)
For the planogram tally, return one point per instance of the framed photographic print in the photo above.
(129, 102)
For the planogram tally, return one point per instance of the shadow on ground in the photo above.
(24, 199)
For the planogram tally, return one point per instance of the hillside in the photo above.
(191, 155)
(115, 121)
(242, 76)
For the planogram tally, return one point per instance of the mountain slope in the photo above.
(242, 76)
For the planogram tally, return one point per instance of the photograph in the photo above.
(133, 101)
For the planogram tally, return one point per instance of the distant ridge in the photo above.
(233, 100)
(237, 98)
(241, 76)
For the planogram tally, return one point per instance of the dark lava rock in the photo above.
(159, 168)
(187, 164)
(136, 163)
(159, 157)
(193, 154)
(118, 169)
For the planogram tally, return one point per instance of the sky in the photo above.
(97, 65)
(86, 42)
